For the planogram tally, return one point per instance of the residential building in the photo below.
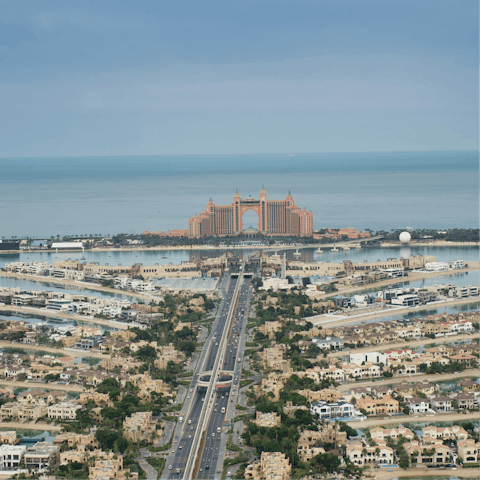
(430, 454)
(41, 455)
(269, 420)
(433, 433)
(139, 426)
(340, 409)
(109, 468)
(329, 343)
(370, 357)
(380, 434)
(466, 401)
(437, 267)
(63, 411)
(441, 403)
(468, 451)
(361, 455)
(378, 406)
(418, 405)
(271, 466)
(9, 437)
(11, 456)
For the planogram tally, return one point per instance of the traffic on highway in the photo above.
(224, 394)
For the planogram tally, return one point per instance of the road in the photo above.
(439, 417)
(403, 345)
(43, 386)
(150, 472)
(470, 372)
(214, 450)
(191, 411)
(65, 316)
(213, 442)
(62, 351)
(420, 472)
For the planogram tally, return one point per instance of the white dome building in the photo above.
(405, 237)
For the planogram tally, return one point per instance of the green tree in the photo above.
(327, 462)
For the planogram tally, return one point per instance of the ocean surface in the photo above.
(44, 197)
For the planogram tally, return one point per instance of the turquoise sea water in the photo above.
(107, 195)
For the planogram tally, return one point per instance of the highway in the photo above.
(212, 458)
(185, 431)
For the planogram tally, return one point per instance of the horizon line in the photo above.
(288, 153)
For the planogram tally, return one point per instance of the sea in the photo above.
(45, 197)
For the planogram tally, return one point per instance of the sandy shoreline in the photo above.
(340, 320)
(66, 316)
(402, 345)
(89, 286)
(470, 372)
(238, 247)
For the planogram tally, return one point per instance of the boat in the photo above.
(164, 256)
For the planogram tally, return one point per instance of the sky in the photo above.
(237, 77)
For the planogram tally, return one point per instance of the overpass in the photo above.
(218, 382)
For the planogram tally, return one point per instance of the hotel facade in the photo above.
(275, 217)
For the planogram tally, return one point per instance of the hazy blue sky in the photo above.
(164, 77)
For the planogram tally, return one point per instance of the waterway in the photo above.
(34, 318)
(27, 284)
(176, 256)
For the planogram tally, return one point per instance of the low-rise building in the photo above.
(378, 406)
(433, 433)
(431, 454)
(466, 401)
(11, 456)
(41, 455)
(63, 411)
(329, 343)
(108, 468)
(340, 409)
(360, 454)
(441, 403)
(468, 451)
(139, 426)
(271, 466)
(380, 434)
(269, 420)
(9, 437)
(418, 405)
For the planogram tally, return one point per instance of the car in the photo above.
(214, 409)
(189, 436)
(170, 467)
(207, 467)
(201, 469)
(180, 447)
(189, 396)
(176, 440)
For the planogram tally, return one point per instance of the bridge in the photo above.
(218, 383)
(340, 243)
